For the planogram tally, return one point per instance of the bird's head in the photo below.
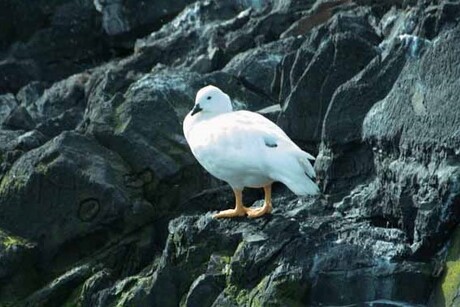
(211, 100)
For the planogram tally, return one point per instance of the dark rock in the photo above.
(204, 290)
(272, 261)
(21, 20)
(59, 98)
(292, 5)
(17, 73)
(248, 66)
(63, 175)
(144, 124)
(102, 203)
(206, 35)
(415, 124)
(66, 37)
(72, 32)
(321, 12)
(342, 147)
(8, 139)
(7, 104)
(338, 59)
(30, 140)
(436, 17)
(122, 17)
(19, 119)
(98, 282)
(445, 291)
(58, 108)
(265, 29)
(68, 120)
(30, 93)
(198, 31)
(56, 293)
(18, 270)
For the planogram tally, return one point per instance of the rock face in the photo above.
(102, 203)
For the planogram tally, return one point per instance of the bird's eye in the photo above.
(208, 98)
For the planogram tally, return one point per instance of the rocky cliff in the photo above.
(102, 203)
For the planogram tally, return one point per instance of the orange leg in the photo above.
(240, 209)
(266, 208)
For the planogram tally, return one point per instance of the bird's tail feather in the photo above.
(302, 186)
(298, 175)
(308, 168)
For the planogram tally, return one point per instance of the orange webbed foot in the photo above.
(230, 213)
(258, 212)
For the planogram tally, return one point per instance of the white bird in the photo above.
(245, 149)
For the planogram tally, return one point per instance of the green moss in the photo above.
(240, 296)
(285, 290)
(446, 290)
(257, 293)
(11, 182)
(8, 240)
(451, 280)
(120, 124)
(42, 168)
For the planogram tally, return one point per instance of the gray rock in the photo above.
(30, 140)
(121, 17)
(59, 98)
(342, 147)
(65, 174)
(280, 259)
(17, 73)
(56, 293)
(320, 13)
(7, 104)
(18, 268)
(204, 290)
(19, 119)
(338, 58)
(102, 203)
(422, 129)
(56, 40)
(248, 66)
(30, 93)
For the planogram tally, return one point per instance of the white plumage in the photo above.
(245, 149)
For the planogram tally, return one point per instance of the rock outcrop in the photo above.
(102, 203)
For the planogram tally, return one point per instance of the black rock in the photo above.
(18, 267)
(15, 74)
(342, 147)
(7, 104)
(103, 204)
(320, 71)
(248, 66)
(74, 184)
(420, 128)
(128, 17)
(19, 119)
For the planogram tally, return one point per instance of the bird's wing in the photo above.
(243, 139)
(262, 128)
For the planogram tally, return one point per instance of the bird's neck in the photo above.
(208, 115)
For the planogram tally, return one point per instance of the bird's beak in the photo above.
(196, 109)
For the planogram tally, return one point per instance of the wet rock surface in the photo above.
(102, 203)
